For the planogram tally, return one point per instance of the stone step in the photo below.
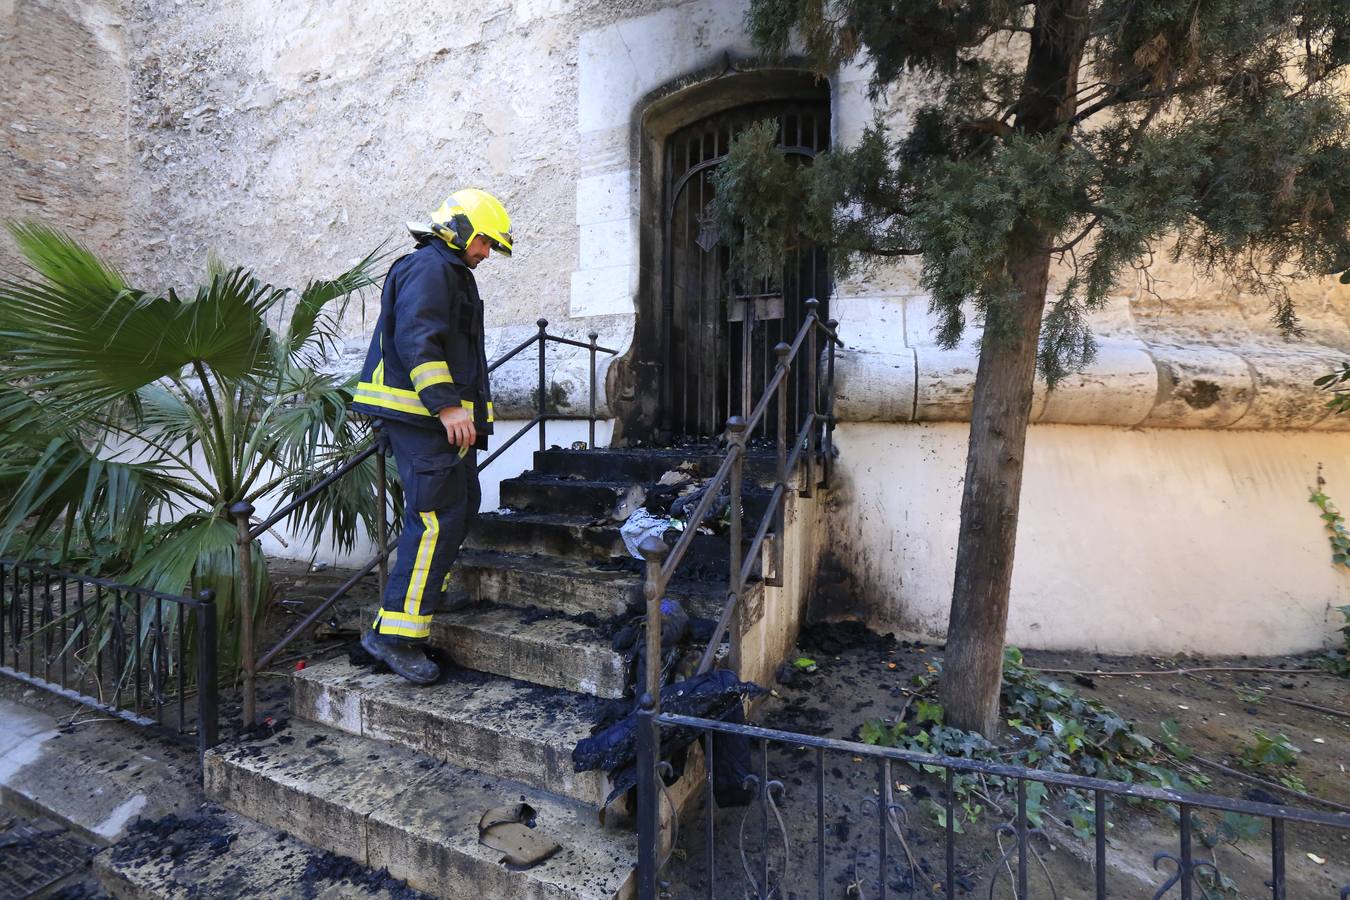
(646, 464)
(217, 854)
(550, 493)
(575, 586)
(578, 537)
(551, 533)
(487, 723)
(553, 652)
(386, 806)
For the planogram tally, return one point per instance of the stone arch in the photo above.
(633, 381)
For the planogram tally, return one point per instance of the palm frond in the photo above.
(198, 553)
(97, 498)
(77, 334)
(311, 319)
(168, 417)
(348, 508)
(61, 260)
(315, 417)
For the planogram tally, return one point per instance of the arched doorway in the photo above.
(718, 335)
(703, 345)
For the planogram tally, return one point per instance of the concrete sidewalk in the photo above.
(86, 770)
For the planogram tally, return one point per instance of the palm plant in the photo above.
(131, 422)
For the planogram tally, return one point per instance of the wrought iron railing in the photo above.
(1181, 866)
(113, 647)
(795, 455)
(249, 532)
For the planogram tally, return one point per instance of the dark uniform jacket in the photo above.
(427, 351)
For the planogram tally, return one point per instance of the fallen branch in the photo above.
(1328, 710)
(1313, 706)
(1101, 674)
(1272, 785)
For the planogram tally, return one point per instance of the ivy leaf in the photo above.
(1036, 792)
(928, 712)
(876, 732)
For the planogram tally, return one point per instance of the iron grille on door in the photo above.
(717, 338)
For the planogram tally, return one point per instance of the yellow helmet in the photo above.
(466, 214)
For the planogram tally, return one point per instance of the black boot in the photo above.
(454, 599)
(408, 660)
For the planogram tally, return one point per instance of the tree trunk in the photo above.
(973, 664)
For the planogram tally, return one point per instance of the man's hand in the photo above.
(458, 423)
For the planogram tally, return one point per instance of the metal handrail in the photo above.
(257, 530)
(1004, 770)
(757, 542)
(662, 561)
(248, 533)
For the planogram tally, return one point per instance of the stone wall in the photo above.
(1130, 540)
(294, 138)
(63, 121)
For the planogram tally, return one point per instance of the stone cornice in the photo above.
(1209, 369)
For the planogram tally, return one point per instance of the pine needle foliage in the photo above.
(1096, 134)
(1214, 131)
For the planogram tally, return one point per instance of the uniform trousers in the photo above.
(441, 496)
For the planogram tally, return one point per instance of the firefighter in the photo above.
(425, 380)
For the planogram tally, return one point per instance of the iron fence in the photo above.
(1019, 871)
(114, 647)
(248, 532)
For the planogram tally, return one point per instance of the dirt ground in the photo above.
(862, 677)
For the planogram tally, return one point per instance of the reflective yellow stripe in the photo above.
(491, 417)
(404, 626)
(431, 373)
(390, 398)
(378, 376)
(417, 581)
(467, 404)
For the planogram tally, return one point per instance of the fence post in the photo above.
(812, 397)
(382, 500)
(654, 551)
(241, 512)
(590, 443)
(735, 586)
(780, 525)
(543, 398)
(828, 465)
(649, 811)
(747, 348)
(207, 688)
